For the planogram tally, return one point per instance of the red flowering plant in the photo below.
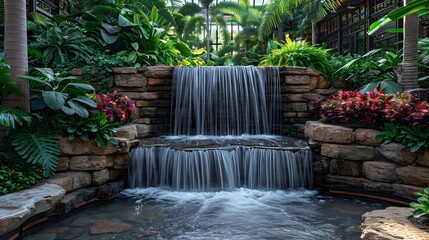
(373, 108)
(118, 108)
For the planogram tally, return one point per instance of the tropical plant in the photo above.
(273, 12)
(377, 68)
(58, 92)
(18, 175)
(374, 108)
(409, 70)
(118, 108)
(421, 207)
(37, 144)
(63, 45)
(413, 137)
(295, 53)
(96, 127)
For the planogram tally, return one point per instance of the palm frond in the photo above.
(10, 117)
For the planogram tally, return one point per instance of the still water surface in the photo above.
(155, 213)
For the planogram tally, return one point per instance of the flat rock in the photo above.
(100, 177)
(71, 180)
(106, 226)
(393, 152)
(109, 190)
(391, 224)
(330, 133)
(74, 199)
(17, 207)
(380, 171)
(404, 190)
(128, 131)
(423, 157)
(87, 163)
(344, 181)
(349, 152)
(345, 168)
(367, 137)
(412, 175)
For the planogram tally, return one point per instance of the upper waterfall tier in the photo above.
(226, 101)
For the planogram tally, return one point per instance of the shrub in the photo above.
(373, 108)
(117, 107)
(17, 175)
(422, 205)
(294, 53)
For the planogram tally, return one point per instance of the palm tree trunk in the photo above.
(208, 34)
(313, 33)
(15, 49)
(408, 69)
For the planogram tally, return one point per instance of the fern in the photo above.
(38, 145)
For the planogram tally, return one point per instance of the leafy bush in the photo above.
(117, 108)
(412, 137)
(294, 53)
(373, 108)
(96, 127)
(422, 205)
(58, 92)
(375, 69)
(17, 175)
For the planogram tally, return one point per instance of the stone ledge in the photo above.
(16, 208)
(390, 223)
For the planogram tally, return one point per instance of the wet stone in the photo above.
(106, 226)
(54, 230)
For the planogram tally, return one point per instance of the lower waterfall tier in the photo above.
(221, 163)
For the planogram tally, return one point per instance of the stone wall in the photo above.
(151, 88)
(351, 158)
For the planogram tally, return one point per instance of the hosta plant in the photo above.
(412, 137)
(95, 127)
(421, 207)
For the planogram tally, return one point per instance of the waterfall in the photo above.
(233, 108)
(226, 101)
(220, 169)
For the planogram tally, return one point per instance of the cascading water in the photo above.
(222, 117)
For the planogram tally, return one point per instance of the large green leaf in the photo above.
(85, 100)
(9, 117)
(108, 38)
(398, 13)
(82, 86)
(80, 110)
(124, 22)
(38, 145)
(53, 99)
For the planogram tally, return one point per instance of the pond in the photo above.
(154, 213)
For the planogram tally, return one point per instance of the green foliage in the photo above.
(412, 137)
(61, 93)
(375, 69)
(295, 53)
(95, 127)
(16, 175)
(7, 85)
(398, 13)
(11, 117)
(62, 45)
(37, 144)
(101, 69)
(421, 207)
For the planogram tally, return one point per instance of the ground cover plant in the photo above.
(407, 117)
(421, 207)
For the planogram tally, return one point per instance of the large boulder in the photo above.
(390, 224)
(393, 152)
(380, 171)
(349, 152)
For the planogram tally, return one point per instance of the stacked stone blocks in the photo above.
(352, 157)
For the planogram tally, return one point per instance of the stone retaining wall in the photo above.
(151, 88)
(351, 158)
(85, 173)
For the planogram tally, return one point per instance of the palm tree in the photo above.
(409, 70)
(315, 10)
(15, 49)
